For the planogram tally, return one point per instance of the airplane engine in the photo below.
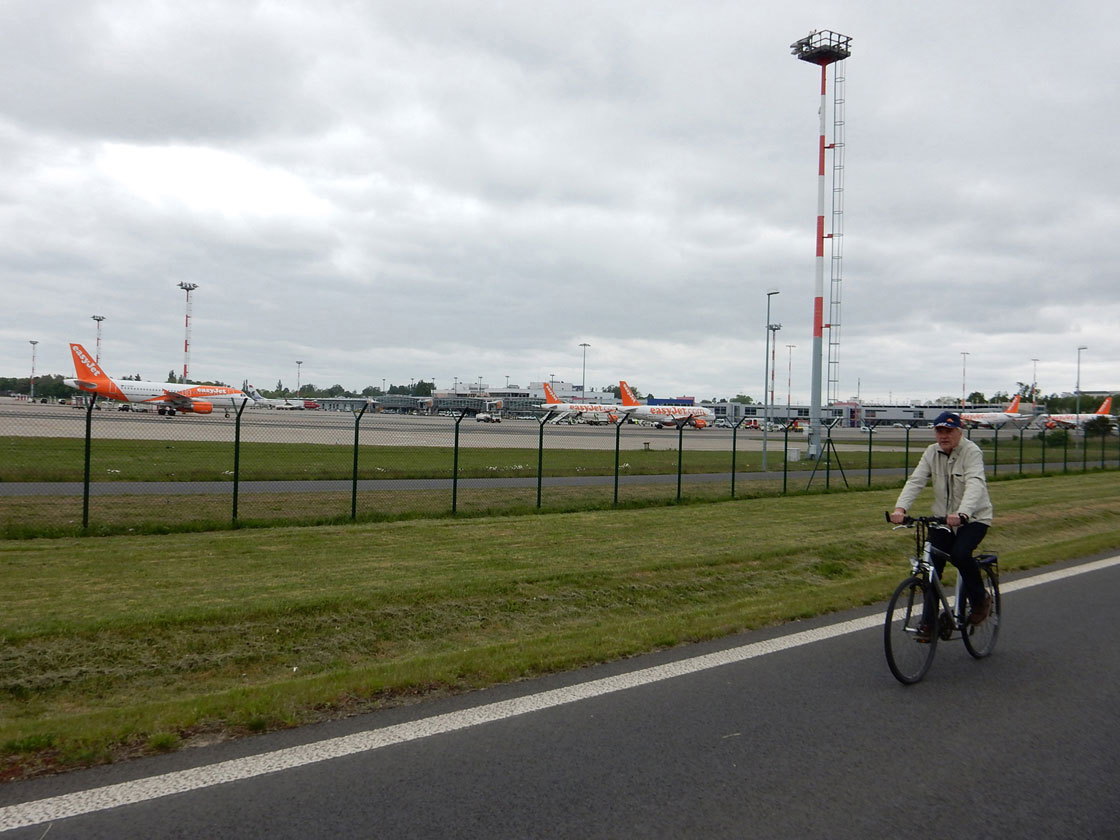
(202, 407)
(699, 422)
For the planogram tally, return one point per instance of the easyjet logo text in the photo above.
(85, 360)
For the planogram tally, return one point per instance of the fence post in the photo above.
(540, 455)
(906, 454)
(785, 456)
(680, 455)
(995, 452)
(1065, 453)
(237, 458)
(1042, 466)
(617, 446)
(870, 437)
(1084, 450)
(354, 490)
(85, 480)
(455, 464)
(1022, 434)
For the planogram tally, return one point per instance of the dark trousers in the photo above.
(959, 547)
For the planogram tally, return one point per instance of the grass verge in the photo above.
(126, 645)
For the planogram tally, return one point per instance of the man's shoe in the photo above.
(923, 634)
(980, 614)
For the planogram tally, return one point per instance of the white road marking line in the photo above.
(182, 781)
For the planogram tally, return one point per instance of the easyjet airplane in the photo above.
(553, 403)
(988, 419)
(167, 397)
(1073, 421)
(662, 414)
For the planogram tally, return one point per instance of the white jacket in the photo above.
(960, 484)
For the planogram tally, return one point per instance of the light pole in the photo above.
(964, 360)
(97, 354)
(766, 378)
(188, 288)
(1034, 384)
(583, 386)
(789, 380)
(299, 369)
(1079, 349)
(33, 343)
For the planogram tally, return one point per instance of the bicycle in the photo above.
(910, 656)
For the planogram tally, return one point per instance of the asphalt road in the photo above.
(792, 732)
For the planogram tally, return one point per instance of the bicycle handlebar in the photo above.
(910, 521)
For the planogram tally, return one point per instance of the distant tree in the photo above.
(335, 391)
(976, 398)
(423, 389)
(1001, 397)
(371, 391)
(743, 398)
(171, 376)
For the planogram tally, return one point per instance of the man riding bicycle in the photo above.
(960, 494)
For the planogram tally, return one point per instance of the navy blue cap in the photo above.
(948, 420)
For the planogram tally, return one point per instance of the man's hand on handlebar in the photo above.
(897, 516)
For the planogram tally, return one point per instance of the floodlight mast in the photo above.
(188, 288)
(821, 48)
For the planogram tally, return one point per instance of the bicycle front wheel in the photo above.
(908, 658)
(980, 639)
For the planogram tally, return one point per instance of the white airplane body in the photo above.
(693, 415)
(990, 419)
(167, 397)
(281, 405)
(1075, 421)
(553, 403)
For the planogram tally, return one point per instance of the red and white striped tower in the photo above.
(822, 48)
(188, 288)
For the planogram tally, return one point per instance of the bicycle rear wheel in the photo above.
(908, 658)
(980, 639)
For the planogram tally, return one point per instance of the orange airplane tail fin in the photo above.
(89, 373)
(549, 394)
(1011, 409)
(628, 398)
(1106, 406)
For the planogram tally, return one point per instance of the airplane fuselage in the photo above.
(169, 397)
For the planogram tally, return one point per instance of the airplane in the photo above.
(1074, 421)
(261, 401)
(168, 397)
(990, 419)
(661, 415)
(555, 404)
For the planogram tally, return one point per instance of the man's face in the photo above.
(947, 439)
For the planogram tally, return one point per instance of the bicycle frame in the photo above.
(923, 566)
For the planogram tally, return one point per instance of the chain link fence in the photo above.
(97, 469)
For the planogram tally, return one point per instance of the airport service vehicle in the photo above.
(167, 397)
(483, 417)
(910, 657)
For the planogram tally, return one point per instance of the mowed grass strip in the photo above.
(62, 459)
(124, 644)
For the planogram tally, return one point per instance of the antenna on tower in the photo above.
(188, 288)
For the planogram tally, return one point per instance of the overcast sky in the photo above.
(422, 190)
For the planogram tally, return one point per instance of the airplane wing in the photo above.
(176, 399)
